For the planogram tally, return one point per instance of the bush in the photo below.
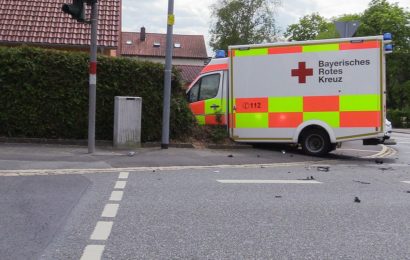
(44, 94)
(398, 80)
(399, 118)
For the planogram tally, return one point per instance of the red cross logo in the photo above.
(302, 72)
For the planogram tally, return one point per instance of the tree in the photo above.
(242, 22)
(308, 28)
(381, 17)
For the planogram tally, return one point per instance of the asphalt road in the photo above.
(403, 147)
(32, 209)
(297, 209)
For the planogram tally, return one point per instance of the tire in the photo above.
(315, 142)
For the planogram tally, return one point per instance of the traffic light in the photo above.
(76, 10)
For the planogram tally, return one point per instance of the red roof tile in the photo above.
(191, 46)
(43, 22)
(189, 72)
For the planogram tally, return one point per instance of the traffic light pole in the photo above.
(93, 78)
(167, 77)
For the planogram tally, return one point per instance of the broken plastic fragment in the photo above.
(323, 168)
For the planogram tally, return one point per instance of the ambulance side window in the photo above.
(207, 87)
(193, 93)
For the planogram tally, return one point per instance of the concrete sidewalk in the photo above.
(15, 156)
(401, 130)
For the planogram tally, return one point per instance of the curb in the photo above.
(401, 131)
(103, 143)
(173, 145)
(52, 141)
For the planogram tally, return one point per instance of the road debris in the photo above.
(230, 155)
(307, 178)
(378, 161)
(357, 200)
(323, 168)
(361, 182)
(278, 197)
(131, 154)
(386, 168)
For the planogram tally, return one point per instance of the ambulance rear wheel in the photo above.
(315, 142)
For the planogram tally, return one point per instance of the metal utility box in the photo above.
(127, 122)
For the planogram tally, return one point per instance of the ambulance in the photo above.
(317, 94)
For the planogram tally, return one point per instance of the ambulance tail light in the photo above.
(220, 54)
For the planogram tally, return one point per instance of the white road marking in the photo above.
(408, 182)
(162, 168)
(102, 230)
(120, 185)
(123, 175)
(268, 181)
(93, 252)
(110, 211)
(116, 195)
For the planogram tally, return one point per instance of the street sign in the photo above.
(347, 29)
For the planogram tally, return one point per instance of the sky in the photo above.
(194, 17)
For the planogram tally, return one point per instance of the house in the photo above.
(42, 23)
(189, 51)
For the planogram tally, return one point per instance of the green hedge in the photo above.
(398, 80)
(399, 118)
(44, 94)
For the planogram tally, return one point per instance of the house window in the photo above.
(129, 42)
(177, 45)
(157, 44)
